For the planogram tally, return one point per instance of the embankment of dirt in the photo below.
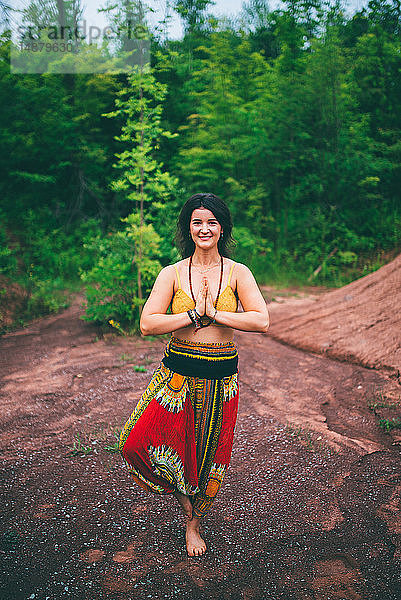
(360, 322)
(12, 300)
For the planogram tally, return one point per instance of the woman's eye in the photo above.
(197, 223)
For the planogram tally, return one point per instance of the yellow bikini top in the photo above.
(227, 300)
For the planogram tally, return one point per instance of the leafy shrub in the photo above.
(112, 292)
(46, 296)
(8, 260)
(56, 252)
(253, 251)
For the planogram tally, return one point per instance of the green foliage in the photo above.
(115, 447)
(285, 141)
(254, 251)
(139, 369)
(140, 106)
(389, 424)
(8, 252)
(192, 13)
(47, 263)
(143, 179)
(55, 252)
(44, 262)
(79, 448)
(112, 283)
(292, 115)
(46, 296)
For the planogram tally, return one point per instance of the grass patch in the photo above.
(79, 448)
(87, 443)
(389, 424)
(115, 446)
(308, 439)
(105, 438)
(378, 399)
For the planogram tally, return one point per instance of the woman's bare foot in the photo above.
(195, 544)
(185, 503)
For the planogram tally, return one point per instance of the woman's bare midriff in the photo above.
(206, 334)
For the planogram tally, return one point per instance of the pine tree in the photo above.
(193, 13)
(143, 180)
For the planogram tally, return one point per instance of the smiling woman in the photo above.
(179, 437)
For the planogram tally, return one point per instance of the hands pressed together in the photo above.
(204, 301)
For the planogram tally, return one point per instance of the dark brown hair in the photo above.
(220, 210)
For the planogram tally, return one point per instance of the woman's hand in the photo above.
(210, 309)
(200, 305)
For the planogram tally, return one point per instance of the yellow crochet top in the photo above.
(227, 300)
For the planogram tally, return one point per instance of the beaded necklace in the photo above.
(190, 280)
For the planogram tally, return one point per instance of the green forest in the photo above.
(292, 115)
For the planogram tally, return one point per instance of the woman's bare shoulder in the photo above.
(179, 263)
(166, 274)
(180, 266)
(240, 268)
(241, 274)
(169, 273)
(167, 269)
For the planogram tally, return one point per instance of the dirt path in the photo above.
(310, 508)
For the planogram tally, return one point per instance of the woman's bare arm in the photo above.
(154, 320)
(255, 316)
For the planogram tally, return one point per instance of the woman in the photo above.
(179, 438)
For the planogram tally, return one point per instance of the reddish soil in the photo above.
(360, 322)
(310, 508)
(12, 300)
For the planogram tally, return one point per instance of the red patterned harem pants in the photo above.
(180, 435)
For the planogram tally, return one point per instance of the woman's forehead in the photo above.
(202, 213)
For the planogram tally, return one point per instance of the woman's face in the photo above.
(204, 228)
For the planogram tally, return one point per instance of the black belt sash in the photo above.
(205, 368)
